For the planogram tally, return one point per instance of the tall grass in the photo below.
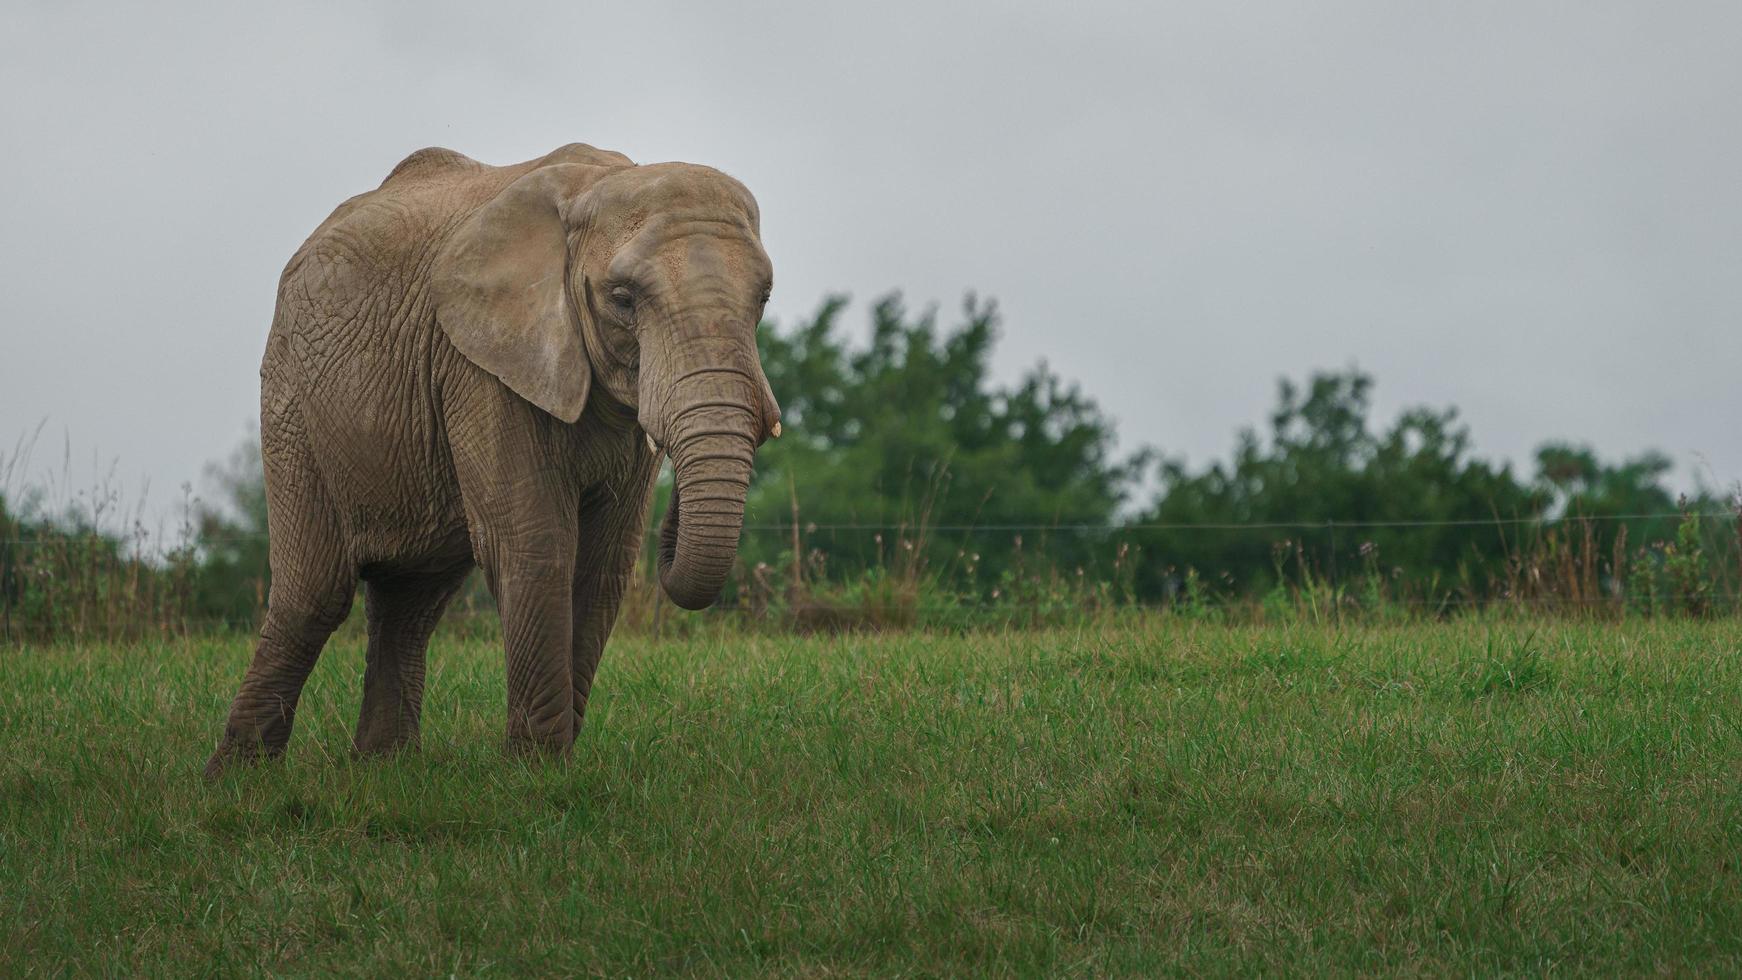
(81, 564)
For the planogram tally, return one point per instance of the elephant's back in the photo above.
(354, 308)
(388, 237)
(360, 278)
(356, 370)
(354, 355)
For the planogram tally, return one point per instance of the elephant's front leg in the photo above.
(612, 520)
(521, 492)
(523, 536)
(532, 583)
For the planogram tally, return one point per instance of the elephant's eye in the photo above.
(623, 301)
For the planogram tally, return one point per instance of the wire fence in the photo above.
(1300, 525)
(86, 581)
(1316, 524)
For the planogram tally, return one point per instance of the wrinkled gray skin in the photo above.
(473, 364)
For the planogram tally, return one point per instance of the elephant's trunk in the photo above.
(698, 541)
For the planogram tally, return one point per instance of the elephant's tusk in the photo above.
(775, 432)
(652, 447)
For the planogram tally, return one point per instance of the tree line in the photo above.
(906, 466)
(907, 435)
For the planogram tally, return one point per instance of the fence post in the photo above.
(1336, 582)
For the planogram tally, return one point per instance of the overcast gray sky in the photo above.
(1532, 211)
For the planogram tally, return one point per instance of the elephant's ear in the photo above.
(500, 286)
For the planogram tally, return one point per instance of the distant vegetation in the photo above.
(911, 488)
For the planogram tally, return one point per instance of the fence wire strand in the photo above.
(923, 528)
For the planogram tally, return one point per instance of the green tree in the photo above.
(908, 440)
(1323, 464)
(1582, 485)
(233, 576)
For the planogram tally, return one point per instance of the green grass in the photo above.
(1132, 798)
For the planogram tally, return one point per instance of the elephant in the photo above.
(484, 366)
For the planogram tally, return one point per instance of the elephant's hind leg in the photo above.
(313, 581)
(299, 618)
(403, 612)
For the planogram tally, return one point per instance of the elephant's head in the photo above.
(650, 282)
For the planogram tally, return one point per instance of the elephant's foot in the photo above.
(546, 734)
(383, 741)
(238, 751)
(533, 748)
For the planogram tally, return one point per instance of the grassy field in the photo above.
(1131, 798)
